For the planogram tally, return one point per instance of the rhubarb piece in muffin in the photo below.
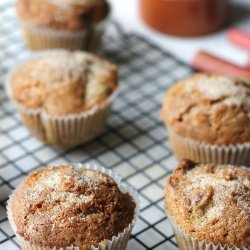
(209, 204)
(64, 206)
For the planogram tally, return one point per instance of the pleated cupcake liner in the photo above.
(186, 242)
(118, 242)
(38, 38)
(238, 154)
(62, 131)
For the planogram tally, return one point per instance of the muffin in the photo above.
(64, 98)
(73, 206)
(208, 117)
(209, 206)
(68, 24)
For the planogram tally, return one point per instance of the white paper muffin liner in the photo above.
(186, 242)
(38, 38)
(118, 242)
(62, 131)
(204, 153)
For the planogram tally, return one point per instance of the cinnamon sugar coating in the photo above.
(64, 84)
(211, 202)
(210, 109)
(65, 205)
(67, 15)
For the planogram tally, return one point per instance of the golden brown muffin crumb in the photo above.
(65, 205)
(209, 109)
(211, 202)
(64, 84)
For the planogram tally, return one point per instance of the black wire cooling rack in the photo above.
(134, 143)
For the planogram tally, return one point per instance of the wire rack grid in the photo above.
(134, 143)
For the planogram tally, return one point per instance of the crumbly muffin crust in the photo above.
(65, 205)
(64, 84)
(71, 15)
(211, 202)
(210, 109)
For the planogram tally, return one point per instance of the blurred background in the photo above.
(128, 14)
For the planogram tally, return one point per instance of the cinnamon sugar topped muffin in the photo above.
(70, 206)
(71, 15)
(64, 84)
(64, 98)
(209, 108)
(210, 203)
(207, 116)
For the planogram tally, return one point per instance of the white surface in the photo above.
(127, 13)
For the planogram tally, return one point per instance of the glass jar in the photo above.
(185, 17)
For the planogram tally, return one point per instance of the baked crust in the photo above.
(209, 109)
(68, 205)
(64, 84)
(71, 15)
(211, 202)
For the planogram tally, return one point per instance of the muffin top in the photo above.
(211, 109)
(211, 202)
(68, 206)
(64, 84)
(67, 15)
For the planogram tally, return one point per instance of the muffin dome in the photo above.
(67, 15)
(211, 202)
(64, 84)
(210, 109)
(68, 206)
